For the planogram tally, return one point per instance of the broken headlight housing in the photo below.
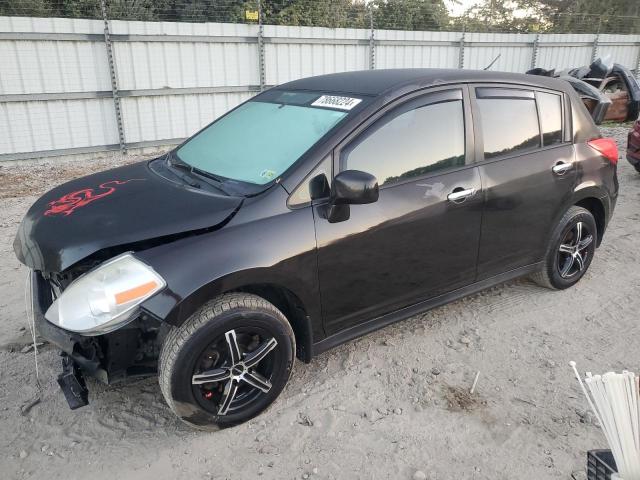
(106, 297)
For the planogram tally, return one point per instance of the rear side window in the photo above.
(550, 110)
(410, 142)
(509, 124)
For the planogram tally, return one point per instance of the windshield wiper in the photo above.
(183, 166)
(194, 171)
(206, 174)
(174, 161)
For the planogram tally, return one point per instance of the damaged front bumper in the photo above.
(72, 384)
(131, 351)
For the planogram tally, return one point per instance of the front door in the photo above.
(420, 239)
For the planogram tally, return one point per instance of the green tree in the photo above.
(606, 16)
(28, 8)
(410, 14)
(203, 10)
(570, 16)
(131, 9)
(498, 16)
(317, 13)
(79, 8)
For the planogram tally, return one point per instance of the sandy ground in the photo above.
(385, 406)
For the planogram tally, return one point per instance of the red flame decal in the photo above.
(68, 203)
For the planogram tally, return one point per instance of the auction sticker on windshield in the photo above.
(333, 101)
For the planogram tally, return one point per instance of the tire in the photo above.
(204, 343)
(564, 268)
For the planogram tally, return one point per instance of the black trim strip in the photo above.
(506, 92)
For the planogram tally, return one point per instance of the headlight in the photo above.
(105, 298)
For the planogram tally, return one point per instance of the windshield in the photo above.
(259, 140)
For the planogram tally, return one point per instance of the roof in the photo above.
(378, 82)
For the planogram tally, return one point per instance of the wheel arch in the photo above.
(292, 308)
(592, 198)
(296, 305)
(595, 199)
(597, 209)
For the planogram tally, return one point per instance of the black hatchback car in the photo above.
(316, 212)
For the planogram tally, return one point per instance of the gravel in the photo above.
(526, 418)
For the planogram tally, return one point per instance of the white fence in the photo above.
(58, 97)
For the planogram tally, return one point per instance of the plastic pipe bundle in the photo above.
(613, 397)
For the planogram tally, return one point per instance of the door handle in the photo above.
(461, 195)
(561, 168)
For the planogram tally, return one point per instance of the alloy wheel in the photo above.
(573, 250)
(233, 371)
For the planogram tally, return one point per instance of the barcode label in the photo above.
(333, 101)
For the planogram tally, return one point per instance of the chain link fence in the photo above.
(424, 15)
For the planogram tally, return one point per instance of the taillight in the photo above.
(606, 147)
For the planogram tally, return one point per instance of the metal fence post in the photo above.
(594, 49)
(114, 79)
(638, 64)
(261, 66)
(461, 51)
(534, 53)
(372, 42)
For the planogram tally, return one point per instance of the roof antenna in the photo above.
(491, 64)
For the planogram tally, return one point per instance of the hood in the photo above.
(117, 207)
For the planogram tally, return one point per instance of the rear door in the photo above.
(414, 242)
(526, 162)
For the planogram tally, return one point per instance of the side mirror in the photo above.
(353, 187)
(319, 187)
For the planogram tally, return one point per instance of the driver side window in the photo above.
(410, 141)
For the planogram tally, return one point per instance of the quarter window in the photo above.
(509, 125)
(550, 110)
(410, 142)
(315, 186)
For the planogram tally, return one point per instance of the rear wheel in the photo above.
(570, 250)
(228, 362)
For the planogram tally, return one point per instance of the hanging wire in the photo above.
(28, 300)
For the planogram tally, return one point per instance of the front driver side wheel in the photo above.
(570, 250)
(228, 362)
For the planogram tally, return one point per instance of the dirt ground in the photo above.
(385, 406)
